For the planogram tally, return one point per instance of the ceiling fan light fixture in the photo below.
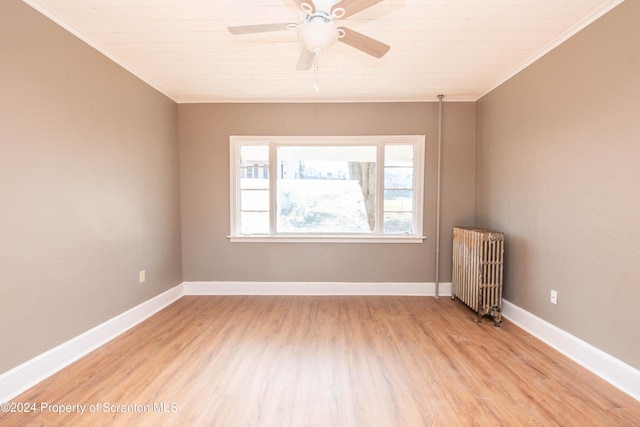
(318, 35)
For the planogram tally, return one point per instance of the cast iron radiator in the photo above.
(477, 270)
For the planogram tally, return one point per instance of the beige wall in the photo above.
(559, 172)
(88, 187)
(204, 131)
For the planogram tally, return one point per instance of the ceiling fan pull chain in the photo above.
(316, 55)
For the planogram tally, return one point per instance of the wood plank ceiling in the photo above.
(461, 48)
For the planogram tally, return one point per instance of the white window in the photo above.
(329, 188)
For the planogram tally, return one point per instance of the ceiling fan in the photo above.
(318, 29)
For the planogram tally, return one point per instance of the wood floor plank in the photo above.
(325, 361)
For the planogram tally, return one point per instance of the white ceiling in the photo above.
(459, 48)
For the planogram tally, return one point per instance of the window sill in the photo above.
(326, 239)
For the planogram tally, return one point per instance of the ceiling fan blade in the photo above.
(305, 60)
(352, 7)
(364, 43)
(261, 28)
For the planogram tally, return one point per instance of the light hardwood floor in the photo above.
(326, 361)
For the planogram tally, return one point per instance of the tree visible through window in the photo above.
(326, 186)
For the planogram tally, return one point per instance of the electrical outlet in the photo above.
(554, 297)
(142, 276)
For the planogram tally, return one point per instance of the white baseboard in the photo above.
(607, 367)
(314, 288)
(24, 376)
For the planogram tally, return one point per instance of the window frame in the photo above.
(378, 236)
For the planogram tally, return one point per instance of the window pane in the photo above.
(326, 189)
(398, 223)
(317, 206)
(254, 153)
(254, 189)
(254, 184)
(398, 155)
(254, 162)
(254, 222)
(398, 189)
(254, 200)
(398, 200)
(398, 177)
